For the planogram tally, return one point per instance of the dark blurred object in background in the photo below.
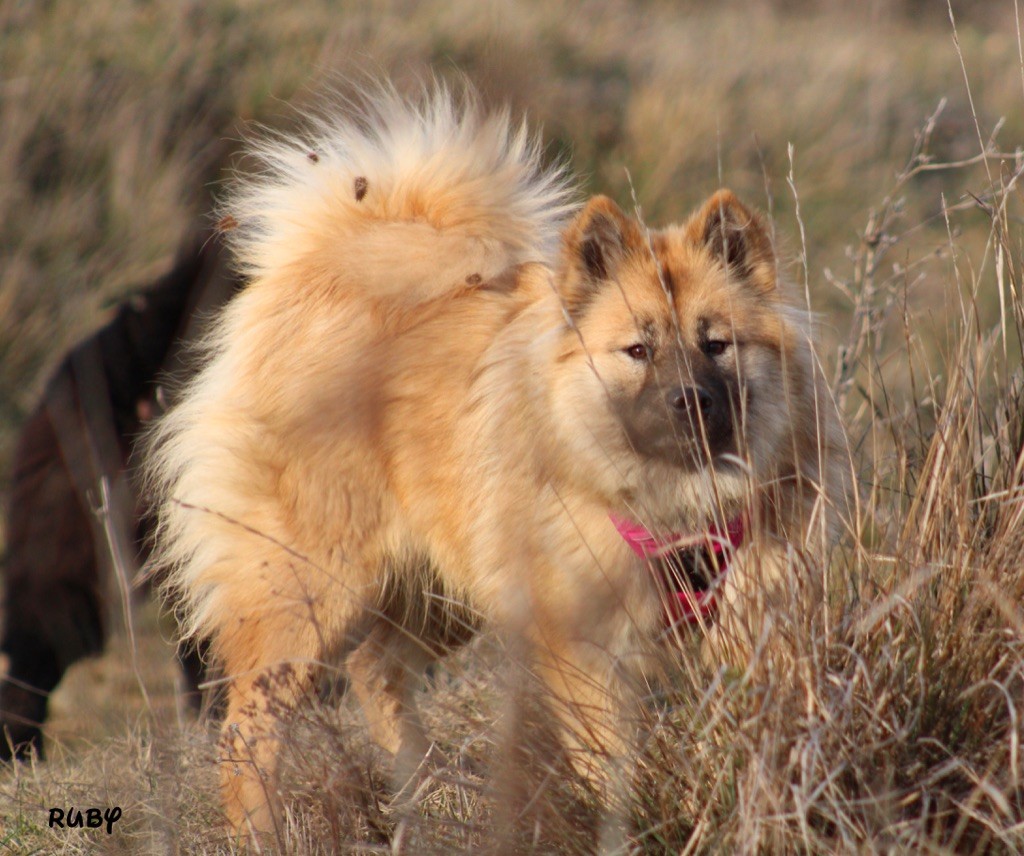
(75, 529)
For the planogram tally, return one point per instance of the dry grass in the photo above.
(889, 720)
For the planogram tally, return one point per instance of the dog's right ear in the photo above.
(595, 245)
(737, 238)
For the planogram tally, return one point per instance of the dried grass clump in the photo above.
(895, 724)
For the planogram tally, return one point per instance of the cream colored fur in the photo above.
(414, 403)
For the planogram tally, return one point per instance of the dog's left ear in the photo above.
(737, 238)
(595, 246)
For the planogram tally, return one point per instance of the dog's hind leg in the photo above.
(417, 623)
(384, 672)
(271, 663)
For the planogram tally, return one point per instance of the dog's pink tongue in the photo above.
(641, 540)
(683, 606)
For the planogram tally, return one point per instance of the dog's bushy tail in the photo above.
(372, 210)
(396, 192)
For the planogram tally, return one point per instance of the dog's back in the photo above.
(278, 516)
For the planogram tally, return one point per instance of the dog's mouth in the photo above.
(689, 579)
(690, 568)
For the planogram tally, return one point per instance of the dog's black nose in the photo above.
(689, 401)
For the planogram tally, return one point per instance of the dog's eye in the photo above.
(716, 347)
(639, 351)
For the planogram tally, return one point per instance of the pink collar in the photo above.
(684, 606)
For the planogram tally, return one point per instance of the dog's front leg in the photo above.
(771, 593)
(596, 708)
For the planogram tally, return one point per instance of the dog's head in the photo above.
(679, 358)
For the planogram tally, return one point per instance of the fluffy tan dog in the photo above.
(437, 401)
